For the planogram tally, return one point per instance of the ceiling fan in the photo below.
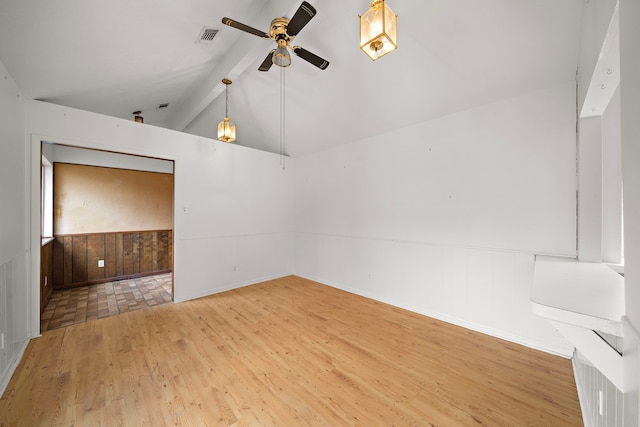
(283, 31)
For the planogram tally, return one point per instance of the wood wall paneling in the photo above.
(128, 254)
(119, 255)
(95, 252)
(154, 249)
(146, 250)
(165, 248)
(135, 253)
(46, 273)
(110, 253)
(79, 259)
(68, 265)
(58, 261)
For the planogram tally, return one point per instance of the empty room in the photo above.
(379, 213)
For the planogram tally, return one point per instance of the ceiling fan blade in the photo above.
(267, 63)
(240, 26)
(312, 58)
(301, 18)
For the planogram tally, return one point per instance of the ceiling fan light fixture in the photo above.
(226, 129)
(378, 30)
(281, 56)
(283, 31)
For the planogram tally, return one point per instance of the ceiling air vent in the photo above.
(206, 35)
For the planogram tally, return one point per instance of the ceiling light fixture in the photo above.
(137, 117)
(283, 31)
(281, 55)
(226, 130)
(378, 30)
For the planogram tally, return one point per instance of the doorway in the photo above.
(109, 246)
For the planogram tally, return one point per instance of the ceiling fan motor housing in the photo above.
(278, 30)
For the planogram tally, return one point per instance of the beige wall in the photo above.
(90, 199)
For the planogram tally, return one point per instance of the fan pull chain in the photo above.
(282, 121)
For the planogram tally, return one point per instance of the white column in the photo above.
(590, 189)
(630, 122)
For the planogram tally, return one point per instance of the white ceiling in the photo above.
(114, 57)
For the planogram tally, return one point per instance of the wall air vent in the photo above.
(206, 35)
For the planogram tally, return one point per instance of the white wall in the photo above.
(444, 217)
(14, 231)
(233, 222)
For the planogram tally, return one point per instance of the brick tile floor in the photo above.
(70, 306)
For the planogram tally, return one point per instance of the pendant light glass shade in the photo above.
(281, 55)
(378, 30)
(226, 129)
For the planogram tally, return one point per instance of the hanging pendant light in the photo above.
(226, 130)
(137, 117)
(378, 27)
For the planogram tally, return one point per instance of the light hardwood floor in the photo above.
(287, 352)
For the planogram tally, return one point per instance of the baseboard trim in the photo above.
(11, 368)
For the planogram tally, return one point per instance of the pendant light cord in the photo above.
(226, 91)
(282, 121)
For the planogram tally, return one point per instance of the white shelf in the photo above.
(589, 295)
(579, 298)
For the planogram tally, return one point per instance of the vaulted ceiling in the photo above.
(118, 56)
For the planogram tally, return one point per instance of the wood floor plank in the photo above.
(284, 352)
